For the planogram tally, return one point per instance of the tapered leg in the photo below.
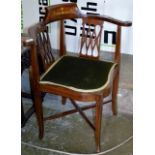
(99, 102)
(114, 93)
(39, 113)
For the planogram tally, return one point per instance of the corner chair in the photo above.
(78, 78)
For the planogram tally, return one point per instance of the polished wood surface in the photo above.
(60, 13)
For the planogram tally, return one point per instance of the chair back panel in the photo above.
(91, 37)
(44, 47)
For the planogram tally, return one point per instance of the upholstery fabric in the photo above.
(79, 73)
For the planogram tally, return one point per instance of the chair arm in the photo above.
(27, 41)
(110, 20)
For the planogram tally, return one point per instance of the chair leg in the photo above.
(114, 94)
(37, 101)
(39, 113)
(98, 123)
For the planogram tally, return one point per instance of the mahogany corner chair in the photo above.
(83, 78)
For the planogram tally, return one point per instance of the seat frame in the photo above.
(60, 13)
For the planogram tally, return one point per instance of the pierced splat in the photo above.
(44, 47)
(91, 37)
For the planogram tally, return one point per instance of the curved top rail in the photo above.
(71, 10)
(62, 11)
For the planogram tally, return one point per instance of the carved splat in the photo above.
(44, 47)
(91, 37)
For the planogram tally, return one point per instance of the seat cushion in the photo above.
(79, 74)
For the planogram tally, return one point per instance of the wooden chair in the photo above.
(83, 78)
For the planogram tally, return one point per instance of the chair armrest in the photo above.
(111, 20)
(27, 41)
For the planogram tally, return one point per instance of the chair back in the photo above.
(91, 37)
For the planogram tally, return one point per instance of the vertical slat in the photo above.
(88, 40)
(45, 48)
(41, 50)
(118, 45)
(92, 41)
(82, 39)
(99, 40)
(93, 44)
(62, 39)
(49, 47)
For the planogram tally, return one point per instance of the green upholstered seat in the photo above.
(80, 74)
